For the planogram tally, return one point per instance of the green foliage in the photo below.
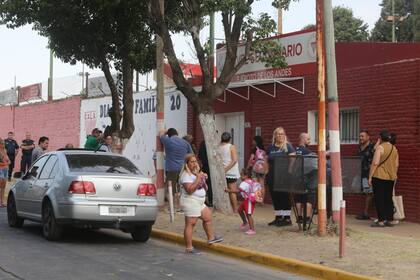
(88, 31)
(347, 28)
(267, 51)
(404, 22)
(416, 21)
(309, 26)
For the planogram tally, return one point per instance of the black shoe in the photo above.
(362, 216)
(299, 220)
(275, 221)
(388, 224)
(285, 222)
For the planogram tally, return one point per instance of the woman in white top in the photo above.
(193, 195)
(229, 157)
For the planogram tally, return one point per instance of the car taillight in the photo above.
(82, 187)
(146, 190)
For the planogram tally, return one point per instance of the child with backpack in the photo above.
(251, 191)
(258, 162)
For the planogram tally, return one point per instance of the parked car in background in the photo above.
(84, 189)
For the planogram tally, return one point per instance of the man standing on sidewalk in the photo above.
(366, 151)
(43, 143)
(176, 149)
(27, 147)
(12, 148)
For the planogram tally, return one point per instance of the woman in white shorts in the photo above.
(193, 195)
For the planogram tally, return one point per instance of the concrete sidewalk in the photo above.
(388, 253)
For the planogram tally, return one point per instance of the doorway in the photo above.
(234, 123)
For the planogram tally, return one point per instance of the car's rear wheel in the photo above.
(51, 230)
(12, 217)
(141, 233)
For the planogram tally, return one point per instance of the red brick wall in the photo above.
(387, 97)
(58, 120)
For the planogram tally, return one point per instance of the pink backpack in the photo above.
(259, 161)
(253, 195)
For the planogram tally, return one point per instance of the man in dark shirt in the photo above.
(309, 177)
(28, 145)
(366, 151)
(176, 149)
(12, 148)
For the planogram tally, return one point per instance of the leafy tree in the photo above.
(416, 21)
(347, 28)
(404, 21)
(102, 34)
(190, 17)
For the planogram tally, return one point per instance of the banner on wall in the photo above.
(298, 48)
(30, 92)
(140, 147)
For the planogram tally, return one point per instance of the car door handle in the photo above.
(46, 185)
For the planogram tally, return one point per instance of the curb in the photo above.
(266, 259)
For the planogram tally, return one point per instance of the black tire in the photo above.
(141, 233)
(51, 230)
(12, 217)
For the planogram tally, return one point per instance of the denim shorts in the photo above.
(365, 185)
(3, 173)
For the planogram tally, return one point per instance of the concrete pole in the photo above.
(393, 21)
(322, 174)
(211, 57)
(87, 83)
(333, 111)
(50, 79)
(279, 21)
(160, 121)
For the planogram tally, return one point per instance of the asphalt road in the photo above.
(110, 254)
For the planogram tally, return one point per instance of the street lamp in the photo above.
(393, 18)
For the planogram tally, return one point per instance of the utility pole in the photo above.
(322, 160)
(211, 57)
(87, 83)
(160, 120)
(50, 79)
(393, 21)
(279, 21)
(333, 111)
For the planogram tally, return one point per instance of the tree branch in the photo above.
(178, 76)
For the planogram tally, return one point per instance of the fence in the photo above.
(299, 174)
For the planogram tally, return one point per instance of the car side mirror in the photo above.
(17, 175)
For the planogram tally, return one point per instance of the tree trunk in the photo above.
(116, 110)
(127, 128)
(217, 174)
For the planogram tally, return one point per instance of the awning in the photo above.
(253, 84)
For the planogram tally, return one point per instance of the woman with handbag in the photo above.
(382, 175)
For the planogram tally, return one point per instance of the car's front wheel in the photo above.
(141, 233)
(51, 230)
(12, 217)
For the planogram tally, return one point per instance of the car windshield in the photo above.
(96, 163)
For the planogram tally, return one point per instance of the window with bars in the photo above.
(349, 125)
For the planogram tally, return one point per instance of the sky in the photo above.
(24, 56)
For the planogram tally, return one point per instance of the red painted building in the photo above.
(378, 87)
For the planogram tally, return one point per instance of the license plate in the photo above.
(111, 210)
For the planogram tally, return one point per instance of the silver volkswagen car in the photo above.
(84, 189)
